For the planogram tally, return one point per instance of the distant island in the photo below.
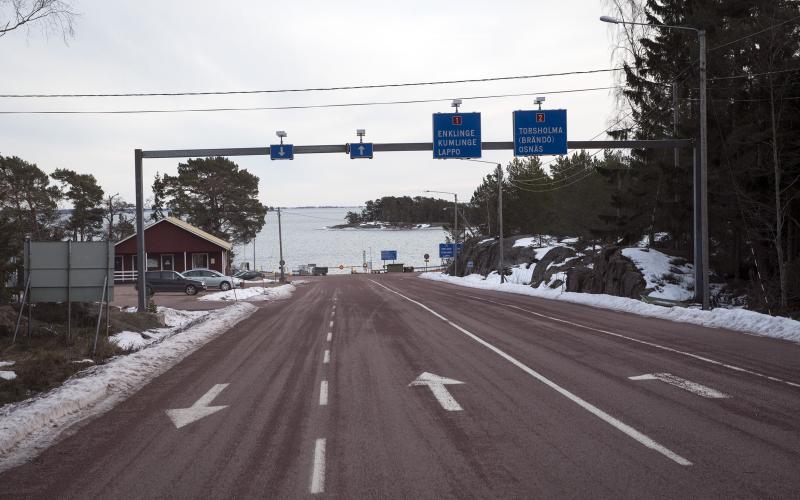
(399, 212)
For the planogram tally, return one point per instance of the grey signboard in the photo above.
(62, 271)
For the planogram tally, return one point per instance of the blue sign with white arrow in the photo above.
(456, 135)
(281, 152)
(361, 150)
(540, 132)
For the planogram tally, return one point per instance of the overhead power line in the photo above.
(281, 108)
(317, 89)
(768, 28)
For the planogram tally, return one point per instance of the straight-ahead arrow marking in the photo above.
(682, 383)
(185, 416)
(440, 392)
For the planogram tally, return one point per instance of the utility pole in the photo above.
(280, 247)
(455, 231)
(254, 252)
(500, 220)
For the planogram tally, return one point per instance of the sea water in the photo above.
(309, 239)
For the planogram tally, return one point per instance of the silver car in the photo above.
(214, 278)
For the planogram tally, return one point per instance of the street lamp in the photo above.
(501, 269)
(700, 174)
(455, 226)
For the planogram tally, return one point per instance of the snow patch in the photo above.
(175, 319)
(29, 426)
(668, 281)
(7, 363)
(256, 293)
(739, 320)
(8, 375)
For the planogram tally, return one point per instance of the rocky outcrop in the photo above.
(610, 272)
(605, 270)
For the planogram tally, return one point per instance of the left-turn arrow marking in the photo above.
(185, 416)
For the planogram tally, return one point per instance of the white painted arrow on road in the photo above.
(185, 416)
(682, 383)
(440, 392)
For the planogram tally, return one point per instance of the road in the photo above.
(337, 392)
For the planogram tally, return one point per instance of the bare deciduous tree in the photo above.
(50, 15)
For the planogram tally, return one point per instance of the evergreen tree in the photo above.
(217, 196)
(86, 219)
(159, 194)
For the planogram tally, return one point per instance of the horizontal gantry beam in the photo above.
(411, 146)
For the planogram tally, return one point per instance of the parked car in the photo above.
(249, 275)
(171, 281)
(214, 279)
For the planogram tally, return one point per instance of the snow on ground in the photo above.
(7, 375)
(7, 363)
(29, 426)
(740, 320)
(657, 272)
(175, 319)
(256, 293)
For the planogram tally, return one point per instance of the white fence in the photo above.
(124, 276)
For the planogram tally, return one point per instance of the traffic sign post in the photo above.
(540, 132)
(456, 135)
(281, 151)
(362, 150)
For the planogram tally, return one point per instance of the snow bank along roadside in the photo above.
(29, 426)
(256, 293)
(739, 320)
(175, 319)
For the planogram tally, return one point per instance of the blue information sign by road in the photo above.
(388, 254)
(361, 150)
(281, 152)
(456, 135)
(540, 132)
(447, 250)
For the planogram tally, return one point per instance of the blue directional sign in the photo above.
(540, 132)
(361, 150)
(281, 152)
(456, 135)
(447, 250)
(388, 254)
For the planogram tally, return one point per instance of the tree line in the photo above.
(213, 194)
(753, 153)
(403, 210)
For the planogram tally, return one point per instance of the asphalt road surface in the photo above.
(398, 387)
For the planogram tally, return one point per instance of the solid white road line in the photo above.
(682, 383)
(323, 393)
(617, 424)
(327, 357)
(318, 469)
(644, 342)
(330, 336)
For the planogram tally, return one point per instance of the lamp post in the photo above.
(700, 171)
(455, 227)
(499, 173)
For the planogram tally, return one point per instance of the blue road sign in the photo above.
(388, 254)
(540, 132)
(361, 150)
(281, 152)
(447, 250)
(456, 135)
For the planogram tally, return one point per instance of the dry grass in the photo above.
(47, 358)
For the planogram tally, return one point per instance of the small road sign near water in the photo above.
(456, 135)
(388, 254)
(361, 150)
(540, 132)
(281, 152)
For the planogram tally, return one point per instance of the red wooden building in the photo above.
(172, 245)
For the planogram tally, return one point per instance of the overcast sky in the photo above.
(197, 45)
